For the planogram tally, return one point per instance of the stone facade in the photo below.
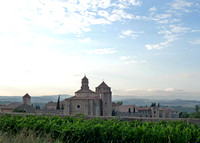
(25, 105)
(88, 102)
(149, 112)
(26, 99)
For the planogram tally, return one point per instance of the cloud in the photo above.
(169, 89)
(131, 60)
(152, 9)
(125, 57)
(130, 33)
(104, 51)
(163, 16)
(118, 15)
(86, 40)
(62, 16)
(171, 34)
(178, 29)
(195, 31)
(126, 3)
(136, 61)
(181, 5)
(157, 46)
(196, 42)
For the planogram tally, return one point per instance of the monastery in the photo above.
(91, 103)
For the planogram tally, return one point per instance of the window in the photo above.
(105, 103)
(78, 106)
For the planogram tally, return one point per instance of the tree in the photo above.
(129, 110)
(120, 102)
(113, 113)
(133, 109)
(58, 103)
(153, 104)
(37, 106)
(197, 108)
(184, 115)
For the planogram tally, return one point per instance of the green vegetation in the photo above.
(25, 136)
(72, 129)
(19, 110)
(191, 115)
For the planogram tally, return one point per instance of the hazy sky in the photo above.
(138, 47)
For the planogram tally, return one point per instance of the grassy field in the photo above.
(16, 128)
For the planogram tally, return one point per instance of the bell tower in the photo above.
(85, 83)
(106, 98)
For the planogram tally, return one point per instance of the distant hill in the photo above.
(177, 104)
(142, 101)
(34, 99)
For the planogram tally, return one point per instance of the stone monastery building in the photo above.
(88, 102)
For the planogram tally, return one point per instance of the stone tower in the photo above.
(106, 97)
(85, 83)
(155, 112)
(27, 99)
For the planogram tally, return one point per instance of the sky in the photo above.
(138, 47)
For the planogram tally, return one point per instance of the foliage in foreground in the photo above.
(25, 137)
(72, 129)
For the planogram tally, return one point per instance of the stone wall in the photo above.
(49, 111)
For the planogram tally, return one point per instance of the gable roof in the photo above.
(26, 96)
(103, 84)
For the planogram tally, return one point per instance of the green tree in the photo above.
(37, 107)
(197, 108)
(120, 102)
(184, 115)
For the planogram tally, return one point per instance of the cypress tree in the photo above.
(58, 103)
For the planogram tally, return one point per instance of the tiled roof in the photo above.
(27, 96)
(143, 108)
(169, 109)
(11, 106)
(83, 98)
(103, 84)
(125, 108)
(51, 103)
(84, 91)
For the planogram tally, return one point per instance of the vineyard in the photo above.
(72, 129)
